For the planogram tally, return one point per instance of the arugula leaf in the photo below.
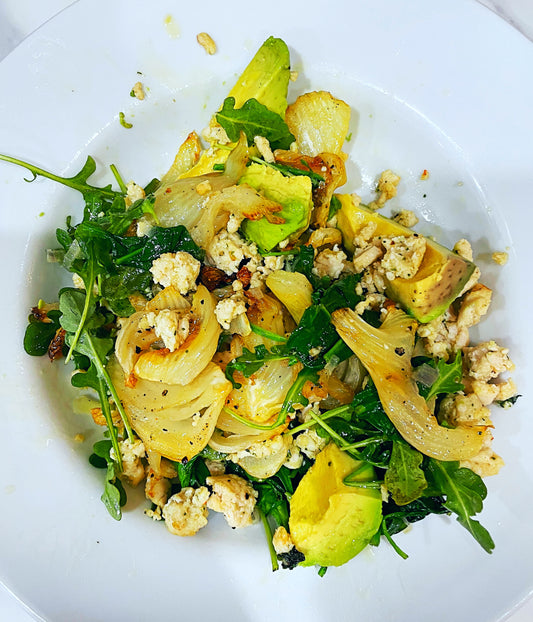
(366, 428)
(404, 479)
(111, 495)
(254, 119)
(64, 238)
(76, 307)
(77, 182)
(464, 491)
(397, 518)
(448, 380)
(114, 495)
(80, 320)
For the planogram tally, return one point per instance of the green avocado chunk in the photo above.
(440, 278)
(438, 282)
(293, 193)
(266, 78)
(330, 522)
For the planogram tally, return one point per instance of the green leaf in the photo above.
(303, 261)
(126, 281)
(464, 491)
(449, 378)
(341, 293)
(102, 449)
(87, 379)
(192, 473)
(397, 518)
(140, 252)
(77, 182)
(272, 500)
(72, 305)
(254, 119)
(38, 335)
(114, 495)
(94, 346)
(313, 337)
(111, 496)
(63, 238)
(404, 479)
(97, 462)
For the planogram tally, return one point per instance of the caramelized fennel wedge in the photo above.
(386, 354)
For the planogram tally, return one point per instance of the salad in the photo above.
(262, 345)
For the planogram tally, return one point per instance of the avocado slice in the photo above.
(330, 522)
(266, 78)
(440, 278)
(294, 194)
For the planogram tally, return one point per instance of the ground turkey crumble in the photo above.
(185, 513)
(234, 497)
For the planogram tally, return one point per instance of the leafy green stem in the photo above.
(88, 295)
(77, 182)
(257, 426)
(388, 537)
(119, 179)
(294, 394)
(268, 533)
(355, 484)
(263, 332)
(336, 437)
(334, 412)
(106, 410)
(363, 443)
(102, 372)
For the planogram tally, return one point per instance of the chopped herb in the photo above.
(123, 122)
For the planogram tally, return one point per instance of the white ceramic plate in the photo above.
(442, 88)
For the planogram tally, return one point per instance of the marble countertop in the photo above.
(19, 18)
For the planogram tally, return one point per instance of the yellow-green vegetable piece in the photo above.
(294, 194)
(330, 522)
(440, 278)
(266, 78)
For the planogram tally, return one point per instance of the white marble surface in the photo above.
(19, 18)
